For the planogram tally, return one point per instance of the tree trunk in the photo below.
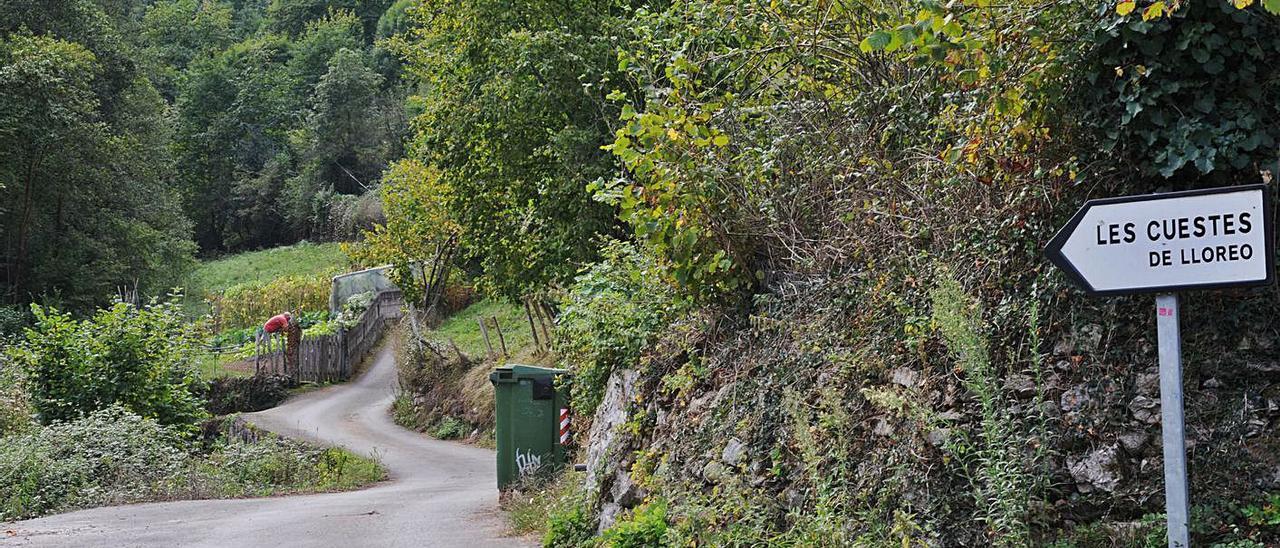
(24, 226)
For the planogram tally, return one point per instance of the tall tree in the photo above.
(82, 159)
(514, 118)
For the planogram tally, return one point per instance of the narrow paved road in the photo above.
(439, 493)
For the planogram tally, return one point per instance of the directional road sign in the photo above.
(1198, 239)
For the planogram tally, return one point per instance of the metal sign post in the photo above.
(1164, 243)
(1171, 428)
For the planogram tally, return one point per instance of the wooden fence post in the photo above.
(542, 313)
(485, 331)
(528, 313)
(501, 339)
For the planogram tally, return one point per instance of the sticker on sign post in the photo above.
(1200, 239)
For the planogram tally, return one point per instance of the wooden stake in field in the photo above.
(528, 313)
(485, 331)
(501, 339)
(544, 312)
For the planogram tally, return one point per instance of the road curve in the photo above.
(439, 493)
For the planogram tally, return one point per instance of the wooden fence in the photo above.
(332, 358)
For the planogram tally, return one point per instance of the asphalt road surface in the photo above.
(439, 493)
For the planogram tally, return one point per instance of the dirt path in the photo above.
(439, 494)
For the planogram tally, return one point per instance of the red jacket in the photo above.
(276, 323)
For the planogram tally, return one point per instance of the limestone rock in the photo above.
(882, 428)
(1089, 338)
(1063, 347)
(1021, 385)
(1099, 469)
(625, 492)
(714, 472)
(1074, 399)
(604, 427)
(608, 516)
(905, 376)
(938, 436)
(1133, 442)
(733, 452)
(1148, 383)
(1145, 409)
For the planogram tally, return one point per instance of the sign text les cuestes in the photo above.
(1199, 239)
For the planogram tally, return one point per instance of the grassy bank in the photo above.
(463, 328)
(303, 259)
(268, 264)
(445, 374)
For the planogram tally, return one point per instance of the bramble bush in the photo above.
(141, 358)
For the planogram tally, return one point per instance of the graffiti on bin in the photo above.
(527, 463)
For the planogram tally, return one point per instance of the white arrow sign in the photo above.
(1199, 239)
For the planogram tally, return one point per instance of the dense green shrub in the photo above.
(449, 428)
(12, 320)
(609, 313)
(1192, 94)
(514, 125)
(568, 528)
(141, 358)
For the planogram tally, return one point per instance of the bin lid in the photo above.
(515, 372)
(502, 375)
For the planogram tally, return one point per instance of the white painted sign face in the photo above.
(1200, 239)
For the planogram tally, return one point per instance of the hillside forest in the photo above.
(792, 250)
(138, 135)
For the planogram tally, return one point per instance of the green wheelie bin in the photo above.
(532, 417)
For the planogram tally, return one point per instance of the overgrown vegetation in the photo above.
(443, 392)
(859, 341)
(444, 371)
(16, 414)
(554, 507)
(111, 456)
(1004, 486)
(250, 304)
(831, 322)
(610, 313)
